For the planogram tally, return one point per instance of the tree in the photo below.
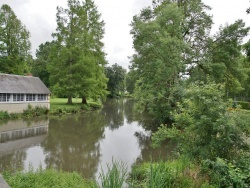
(159, 45)
(41, 62)
(116, 83)
(246, 64)
(130, 80)
(195, 29)
(77, 58)
(225, 62)
(14, 43)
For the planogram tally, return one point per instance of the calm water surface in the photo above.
(85, 143)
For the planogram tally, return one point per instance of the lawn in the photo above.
(60, 105)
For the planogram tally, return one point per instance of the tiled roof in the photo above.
(22, 84)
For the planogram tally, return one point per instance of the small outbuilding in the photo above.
(17, 92)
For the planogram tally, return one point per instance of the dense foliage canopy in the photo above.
(14, 43)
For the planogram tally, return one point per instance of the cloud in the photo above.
(40, 19)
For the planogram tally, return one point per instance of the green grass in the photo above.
(115, 177)
(60, 106)
(180, 172)
(47, 179)
(171, 174)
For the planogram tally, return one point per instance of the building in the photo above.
(17, 92)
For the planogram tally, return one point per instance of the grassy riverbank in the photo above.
(174, 173)
(58, 106)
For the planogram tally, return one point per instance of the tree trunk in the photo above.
(69, 100)
(84, 100)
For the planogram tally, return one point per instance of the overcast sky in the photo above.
(39, 16)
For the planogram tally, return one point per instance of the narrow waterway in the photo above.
(84, 143)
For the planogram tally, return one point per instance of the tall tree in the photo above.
(77, 64)
(130, 80)
(41, 62)
(14, 43)
(224, 60)
(116, 83)
(159, 45)
(195, 29)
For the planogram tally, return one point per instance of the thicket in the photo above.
(211, 134)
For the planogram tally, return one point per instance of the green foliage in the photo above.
(35, 111)
(116, 80)
(224, 60)
(130, 80)
(227, 174)
(77, 57)
(40, 66)
(243, 104)
(14, 43)
(4, 115)
(158, 60)
(95, 105)
(46, 179)
(208, 129)
(175, 173)
(58, 106)
(115, 176)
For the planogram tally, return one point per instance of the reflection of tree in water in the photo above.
(144, 137)
(148, 153)
(114, 111)
(142, 119)
(13, 162)
(72, 143)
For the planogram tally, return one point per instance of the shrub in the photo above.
(95, 105)
(4, 115)
(226, 174)
(176, 173)
(35, 111)
(243, 104)
(207, 129)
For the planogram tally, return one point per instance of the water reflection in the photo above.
(84, 143)
(15, 137)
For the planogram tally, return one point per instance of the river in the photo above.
(84, 143)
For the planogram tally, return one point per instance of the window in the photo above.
(4, 97)
(30, 97)
(18, 97)
(42, 97)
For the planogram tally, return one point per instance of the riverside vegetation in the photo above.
(180, 74)
(58, 106)
(212, 150)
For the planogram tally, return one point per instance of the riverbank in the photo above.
(58, 106)
(173, 173)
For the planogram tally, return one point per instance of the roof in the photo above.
(10, 83)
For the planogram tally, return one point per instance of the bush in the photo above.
(95, 105)
(4, 115)
(227, 174)
(243, 104)
(35, 111)
(177, 173)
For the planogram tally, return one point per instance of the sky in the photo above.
(39, 17)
